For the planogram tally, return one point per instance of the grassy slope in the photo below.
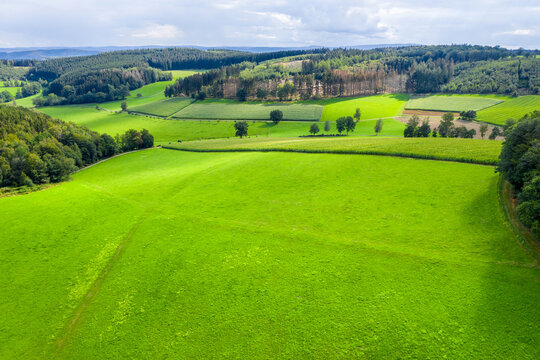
(454, 102)
(515, 108)
(465, 150)
(258, 255)
(165, 107)
(372, 107)
(165, 131)
(227, 109)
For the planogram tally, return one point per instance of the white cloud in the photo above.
(159, 32)
(280, 22)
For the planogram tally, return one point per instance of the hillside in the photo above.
(172, 263)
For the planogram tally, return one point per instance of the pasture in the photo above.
(463, 150)
(372, 107)
(161, 254)
(454, 103)
(10, 89)
(165, 108)
(232, 110)
(515, 109)
(171, 130)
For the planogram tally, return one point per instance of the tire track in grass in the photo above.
(72, 325)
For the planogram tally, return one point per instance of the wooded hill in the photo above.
(341, 72)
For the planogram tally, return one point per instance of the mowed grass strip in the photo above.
(163, 107)
(462, 150)
(228, 110)
(371, 107)
(451, 103)
(267, 255)
(511, 109)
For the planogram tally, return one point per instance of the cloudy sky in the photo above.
(268, 22)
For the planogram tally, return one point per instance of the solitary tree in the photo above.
(446, 125)
(424, 129)
(378, 126)
(147, 139)
(357, 114)
(483, 130)
(495, 132)
(241, 128)
(349, 124)
(412, 127)
(314, 128)
(276, 116)
(327, 126)
(241, 94)
(123, 105)
(340, 124)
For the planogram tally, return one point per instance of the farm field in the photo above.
(164, 107)
(455, 103)
(464, 150)
(232, 110)
(10, 89)
(171, 130)
(372, 107)
(293, 265)
(515, 109)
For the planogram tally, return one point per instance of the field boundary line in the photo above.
(72, 325)
(506, 202)
(361, 152)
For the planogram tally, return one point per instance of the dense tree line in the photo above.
(37, 149)
(98, 86)
(164, 59)
(520, 165)
(509, 76)
(339, 72)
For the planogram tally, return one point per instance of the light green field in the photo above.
(455, 103)
(10, 89)
(184, 73)
(171, 130)
(371, 107)
(515, 109)
(164, 107)
(232, 110)
(464, 150)
(168, 254)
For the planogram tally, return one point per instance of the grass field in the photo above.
(454, 102)
(371, 107)
(171, 130)
(232, 110)
(168, 254)
(515, 109)
(10, 89)
(464, 150)
(164, 107)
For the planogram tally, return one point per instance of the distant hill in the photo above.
(44, 53)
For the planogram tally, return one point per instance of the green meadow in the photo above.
(371, 107)
(10, 89)
(233, 110)
(171, 130)
(171, 254)
(455, 103)
(164, 108)
(514, 108)
(453, 149)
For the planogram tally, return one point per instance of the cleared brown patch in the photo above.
(427, 112)
(434, 122)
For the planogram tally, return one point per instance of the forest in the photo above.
(37, 149)
(98, 86)
(350, 72)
